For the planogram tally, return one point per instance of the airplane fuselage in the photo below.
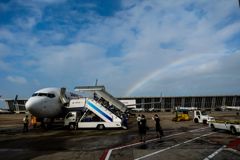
(46, 103)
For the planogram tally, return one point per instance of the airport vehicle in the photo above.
(96, 115)
(229, 125)
(181, 115)
(226, 108)
(201, 116)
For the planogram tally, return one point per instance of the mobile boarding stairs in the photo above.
(111, 119)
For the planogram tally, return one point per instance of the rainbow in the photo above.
(160, 71)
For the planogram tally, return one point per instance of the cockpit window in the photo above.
(43, 94)
(34, 94)
(51, 95)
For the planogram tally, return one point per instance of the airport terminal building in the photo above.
(209, 102)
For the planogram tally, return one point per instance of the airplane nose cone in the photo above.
(34, 106)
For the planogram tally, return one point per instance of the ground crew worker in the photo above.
(138, 122)
(125, 120)
(95, 96)
(158, 126)
(126, 116)
(143, 128)
(25, 122)
(112, 108)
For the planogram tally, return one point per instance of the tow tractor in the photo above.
(202, 116)
(229, 125)
(181, 115)
(96, 115)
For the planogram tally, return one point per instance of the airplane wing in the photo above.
(15, 102)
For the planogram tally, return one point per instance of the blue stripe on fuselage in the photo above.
(100, 111)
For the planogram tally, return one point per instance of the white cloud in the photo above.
(30, 63)
(36, 82)
(17, 79)
(26, 23)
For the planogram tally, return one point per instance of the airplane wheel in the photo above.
(101, 127)
(233, 130)
(213, 128)
(71, 126)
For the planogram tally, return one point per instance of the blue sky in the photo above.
(59, 43)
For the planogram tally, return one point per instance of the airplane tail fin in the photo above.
(160, 98)
(96, 82)
(15, 101)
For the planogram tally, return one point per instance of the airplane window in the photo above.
(34, 94)
(51, 95)
(42, 94)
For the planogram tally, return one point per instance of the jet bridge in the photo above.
(101, 91)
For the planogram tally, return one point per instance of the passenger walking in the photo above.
(143, 129)
(25, 122)
(138, 122)
(158, 126)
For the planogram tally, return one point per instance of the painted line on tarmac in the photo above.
(173, 146)
(197, 129)
(233, 144)
(106, 155)
(215, 153)
(107, 152)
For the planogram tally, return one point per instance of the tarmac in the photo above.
(182, 140)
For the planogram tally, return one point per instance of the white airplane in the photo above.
(49, 103)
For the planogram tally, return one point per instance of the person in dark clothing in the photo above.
(158, 126)
(25, 121)
(143, 129)
(95, 96)
(125, 120)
